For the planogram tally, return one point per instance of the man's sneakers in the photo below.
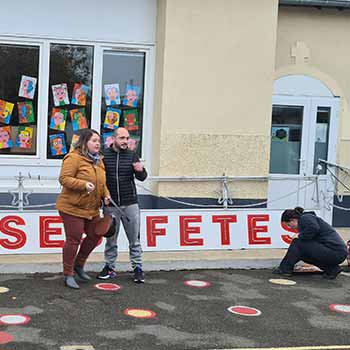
(277, 271)
(107, 273)
(139, 276)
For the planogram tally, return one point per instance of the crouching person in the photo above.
(316, 243)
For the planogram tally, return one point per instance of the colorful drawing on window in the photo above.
(74, 142)
(60, 94)
(131, 95)
(78, 119)
(27, 87)
(5, 137)
(25, 112)
(25, 137)
(133, 142)
(58, 145)
(112, 94)
(279, 133)
(58, 119)
(107, 139)
(79, 94)
(6, 109)
(112, 118)
(131, 119)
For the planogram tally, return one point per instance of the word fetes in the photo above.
(17, 237)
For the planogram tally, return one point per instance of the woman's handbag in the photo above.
(112, 228)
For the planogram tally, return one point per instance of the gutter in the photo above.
(336, 4)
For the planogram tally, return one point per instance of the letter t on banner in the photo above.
(225, 221)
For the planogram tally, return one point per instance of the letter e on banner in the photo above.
(152, 231)
(186, 230)
(253, 229)
(46, 231)
(224, 221)
(19, 235)
(286, 238)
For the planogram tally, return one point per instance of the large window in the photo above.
(19, 65)
(70, 86)
(122, 95)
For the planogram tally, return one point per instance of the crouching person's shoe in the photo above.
(277, 271)
(81, 273)
(332, 274)
(70, 282)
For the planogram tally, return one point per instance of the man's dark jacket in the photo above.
(121, 175)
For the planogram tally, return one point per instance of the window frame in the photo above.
(99, 47)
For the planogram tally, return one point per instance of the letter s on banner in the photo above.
(20, 235)
(152, 231)
(286, 238)
(186, 230)
(253, 229)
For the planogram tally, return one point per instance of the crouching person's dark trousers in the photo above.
(314, 253)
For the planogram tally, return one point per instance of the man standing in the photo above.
(122, 167)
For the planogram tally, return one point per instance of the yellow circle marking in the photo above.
(282, 281)
(139, 313)
(3, 290)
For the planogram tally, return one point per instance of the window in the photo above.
(70, 87)
(19, 99)
(122, 95)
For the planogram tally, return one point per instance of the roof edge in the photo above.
(338, 4)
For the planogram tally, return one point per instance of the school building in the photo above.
(236, 107)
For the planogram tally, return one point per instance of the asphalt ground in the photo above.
(184, 317)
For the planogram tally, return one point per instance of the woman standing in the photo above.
(316, 243)
(84, 186)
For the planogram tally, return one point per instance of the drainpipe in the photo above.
(337, 4)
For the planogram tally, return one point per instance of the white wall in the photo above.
(116, 20)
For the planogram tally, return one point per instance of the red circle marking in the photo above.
(197, 283)
(244, 310)
(112, 287)
(5, 338)
(140, 313)
(342, 308)
(14, 319)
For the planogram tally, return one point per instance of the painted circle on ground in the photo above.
(111, 287)
(5, 338)
(12, 319)
(244, 310)
(197, 283)
(343, 308)
(4, 289)
(282, 281)
(140, 313)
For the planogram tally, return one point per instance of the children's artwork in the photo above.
(25, 137)
(60, 94)
(58, 145)
(5, 111)
(132, 95)
(5, 137)
(74, 142)
(279, 134)
(79, 94)
(25, 112)
(112, 94)
(27, 87)
(131, 119)
(58, 119)
(78, 119)
(133, 143)
(112, 118)
(107, 139)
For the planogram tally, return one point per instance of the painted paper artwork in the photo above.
(279, 133)
(131, 119)
(25, 112)
(132, 95)
(60, 94)
(107, 139)
(25, 137)
(58, 145)
(133, 143)
(58, 119)
(79, 94)
(74, 142)
(112, 94)
(78, 119)
(5, 137)
(27, 87)
(6, 109)
(112, 118)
